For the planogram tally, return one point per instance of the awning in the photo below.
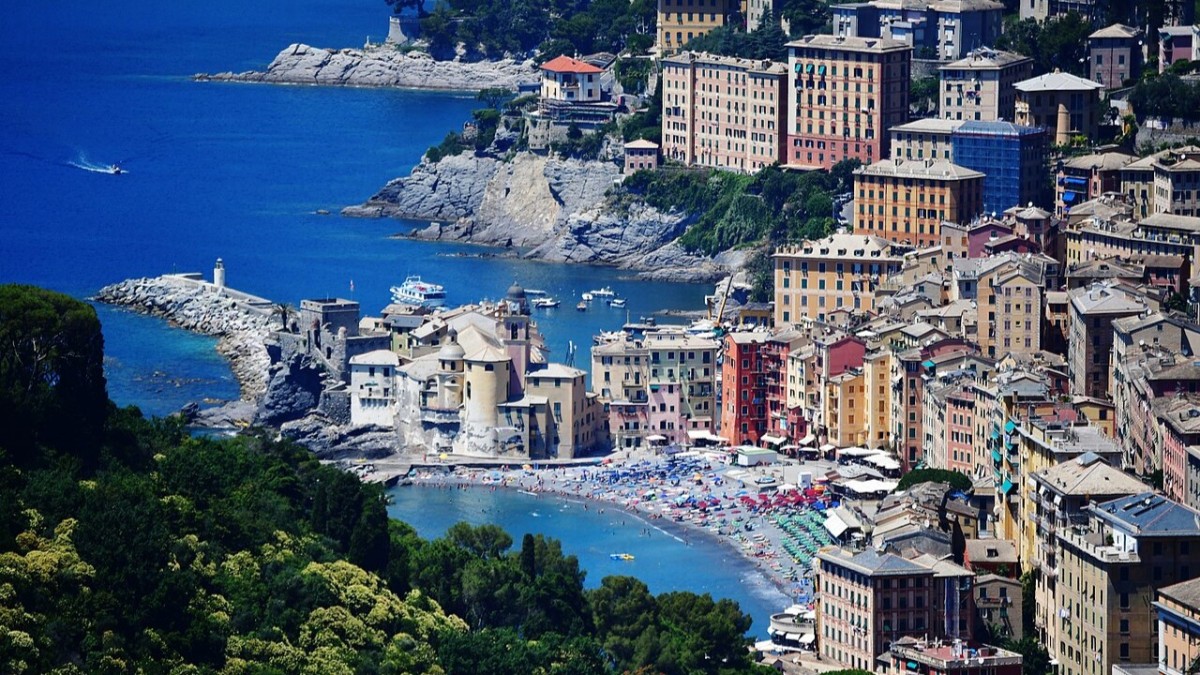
(835, 525)
(1068, 197)
(792, 636)
(928, 364)
(773, 440)
(656, 438)
(828, 447)
(1009, 426)
(1007, 486)
(808, 639)
(808, 440)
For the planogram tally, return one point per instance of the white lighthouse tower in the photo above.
(219, 275)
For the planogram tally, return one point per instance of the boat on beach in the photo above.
(414, 291)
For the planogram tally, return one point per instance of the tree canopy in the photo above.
(1058, 43)
(956, 479)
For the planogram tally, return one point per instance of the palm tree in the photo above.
(285, 312)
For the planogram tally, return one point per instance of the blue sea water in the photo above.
(236, 171)
(666, 560)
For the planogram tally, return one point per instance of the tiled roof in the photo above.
(1089, 475)
(1184, 592)
(1117, 30)
(1057, 81)
(566, 64)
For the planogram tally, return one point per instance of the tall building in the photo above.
(743, 388)
(1093, 310)
(907, 201)
(935, 30)
(1066, 105)
(844, 95)
(723, 112)
(981, 86)
(927, 138)
(1012, 159)
(1114, 55)
(1178, 609)
(1107, 576)
(681, 20)
(815, 278)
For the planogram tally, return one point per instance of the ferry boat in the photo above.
(545, 303)
(605, 292)
(416, 292)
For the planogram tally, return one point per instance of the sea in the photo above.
(239, 172)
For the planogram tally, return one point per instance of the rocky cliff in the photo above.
(557, 210)
(383, 67)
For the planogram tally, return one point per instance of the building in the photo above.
(681, 20)
(1108, 574)
(1177, 43)
(1009, 304)
(568, 80)
(1092, 312)
(1087, 177)
(373, 388)
(1114, 55)
(743, 388)
(908, 200)
(1066, 105)
(844, 95)
(1164, 182)
(940, 30)
(640, 155)
(1160, 234)
(1178, 609)
(723, 112)
(910, 655)
(815, 278)
(923, 139)
(982, 85)
(1012, 159)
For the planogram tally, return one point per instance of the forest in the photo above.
(128, 545)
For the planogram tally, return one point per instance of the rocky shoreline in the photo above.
(382, 66)
(558, 210)
(194, 305)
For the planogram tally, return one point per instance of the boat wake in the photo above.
(82, 162)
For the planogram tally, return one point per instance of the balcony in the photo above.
(990, 602)
(440, 415)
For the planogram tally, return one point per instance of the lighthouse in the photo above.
(219, 275)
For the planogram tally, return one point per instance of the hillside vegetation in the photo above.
(128, 546)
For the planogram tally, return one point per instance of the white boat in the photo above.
(416, 292)
(546, 303)
(534, 291)
(587, 297)
(605, 292)
(582, 306)
(617, 302)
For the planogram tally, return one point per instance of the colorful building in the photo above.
(743, 388)
(840, 271)
(1115, 55)
(935, 30)
(681, 20)
(982, 85)
(907, 201)
(1012, 159)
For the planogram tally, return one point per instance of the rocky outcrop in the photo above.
(293, 389)
(329, 441)
(383, 67)
(558, 210)
(200, 307)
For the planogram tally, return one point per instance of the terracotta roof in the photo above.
(566, 64)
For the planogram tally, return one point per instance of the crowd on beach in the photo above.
(777, 527)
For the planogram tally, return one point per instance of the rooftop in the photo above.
(997, 128)
(378, 357)
(1105, 298)
(986, 58)
(874, 563)
(1057, 81)
(929, 125)
(1106, 161)
(704, 58)
(844, 246)
(900, 168)
(857, 44)
(1088, 475)
(641, 144)
(1150, 514)
(1117, 30)
(566, 64)
(1185, 592)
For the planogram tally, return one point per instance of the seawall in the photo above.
(241, 322)
(382, 66)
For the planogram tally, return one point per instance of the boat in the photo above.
(587, 297)
(582, 306)
(116, 170)
(617, 302)
(416, 292)
(546, 303)
(621, 556)
(534, 291)
(605, 292)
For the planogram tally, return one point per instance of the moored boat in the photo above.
(582, 306)
(414, 291)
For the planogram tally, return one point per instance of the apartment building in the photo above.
(743, 388)
(815, 278)
(785, 422)
(723, 112)
(907, 200)
(1065, 104)
(844, 95)
(1176, 43)
(1164, 182)
(1108, 574)
(1178, 610)
(1092, 312)
(1011, 157)
(935, 30)
(1178, 424)
(1010, 304)
(1114, 55)
(944, 657)
(681, 20)
(1088, 177)
(923, 139)
(1161, 234)
(982, 85)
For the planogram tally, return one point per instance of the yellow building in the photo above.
(681, 20)
(723, 112)
(877, 369)
(577, 415)
(908, 200)
(1009, 314)
(839, 271)
(1179, 628)
(923, 139)
(845, 409)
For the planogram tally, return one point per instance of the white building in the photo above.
(373, 388)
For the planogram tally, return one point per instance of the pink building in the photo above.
(836, 356)
(960, 430)
(1178, 420)
(1175, 43)
(967, 240)
(783, 424)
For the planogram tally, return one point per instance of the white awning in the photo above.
(827, 447)
(698, 434)
(792, 636)
(835, 525)
(656, 438)
(808, 440)
(773, 440)
(808, 639)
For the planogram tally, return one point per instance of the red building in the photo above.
(784, 425)
(744, 388)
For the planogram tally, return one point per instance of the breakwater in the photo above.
(241, 322)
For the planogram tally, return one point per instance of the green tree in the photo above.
(370, 544)
(52, 387)
(623, 610)
(1058, 43)
(494, 97)
(1035, 660)
(956, 479)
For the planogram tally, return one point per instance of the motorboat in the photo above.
(587, 297)
(414, 291)
(115, 169)
(617, 302)
(621, 556)
(604, 292)
(582, 306)
(546, 303)
(534, 292)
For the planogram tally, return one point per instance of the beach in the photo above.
(776, 526)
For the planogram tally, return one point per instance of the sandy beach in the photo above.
(778, 527)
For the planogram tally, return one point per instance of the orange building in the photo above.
(723, 112)
(681, 20)
(845, 93)
(814, 278)
(908, 200)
